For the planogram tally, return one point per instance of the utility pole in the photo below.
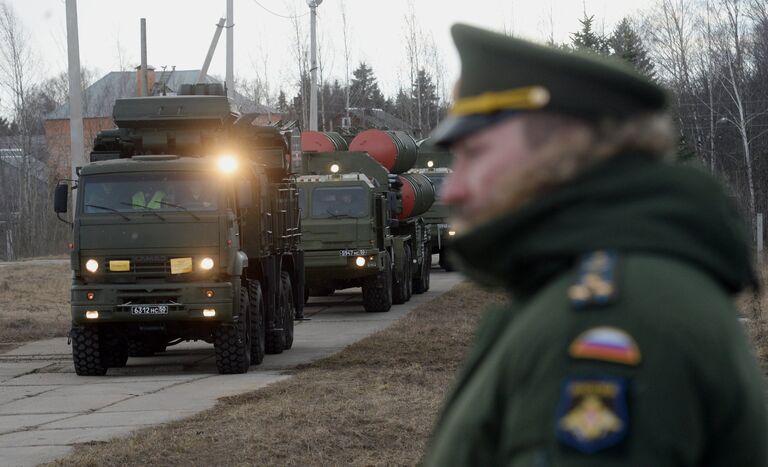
(201, 77)
(144, 72)
(313, 4)
(230, 79)
(77, 147)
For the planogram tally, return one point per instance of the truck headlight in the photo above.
(451, 233)
(92, 265)
(227, 164)
(360, 261)
(206, 264)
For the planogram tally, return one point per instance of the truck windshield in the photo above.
(139, 192)
(348, 201)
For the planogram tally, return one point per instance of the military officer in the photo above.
(621, 344)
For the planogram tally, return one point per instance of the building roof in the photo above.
(99, 98)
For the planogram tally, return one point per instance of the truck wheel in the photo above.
(421, 283)
(87, 354)
(118, 349)
(377, 291)
(289, 310)
(275, 342)
(257, 323)
(409, 272)
(232, 343)
(399, 289)
(445, 263)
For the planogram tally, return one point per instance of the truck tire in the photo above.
(87, 355)
(409, 272)
(257, 323)
(377, 291)
(399, 288)
(289, 310)
(118, 349)
(421, 282)
(232, 343)
(275, 343)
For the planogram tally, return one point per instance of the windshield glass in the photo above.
(137, 192)
(347, 201)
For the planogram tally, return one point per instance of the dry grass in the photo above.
(372, 404)
(34, 301)
(754, 307)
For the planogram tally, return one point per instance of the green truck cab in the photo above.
(434, 163)
(360, 224)
(185, 227)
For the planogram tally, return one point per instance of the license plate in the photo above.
(352, 253)
(149, 309)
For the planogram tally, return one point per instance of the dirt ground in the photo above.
(34, 301)
(372, 404)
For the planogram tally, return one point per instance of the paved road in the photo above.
(45, 408)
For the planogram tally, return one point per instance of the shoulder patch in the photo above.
(592, 414)
(606, 343)
(595, 283)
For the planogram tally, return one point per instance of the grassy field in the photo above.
(372, 404)
(34, 301)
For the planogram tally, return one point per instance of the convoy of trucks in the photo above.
(191, 223)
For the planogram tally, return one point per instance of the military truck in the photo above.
(185, 227)
(360, 219)
(435, 163)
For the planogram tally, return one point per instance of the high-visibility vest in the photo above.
(139, 201)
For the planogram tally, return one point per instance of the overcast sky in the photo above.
(180, 31)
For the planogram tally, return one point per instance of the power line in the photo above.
(278, 14)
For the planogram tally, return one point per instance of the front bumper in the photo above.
(185, 301)
(326, 266)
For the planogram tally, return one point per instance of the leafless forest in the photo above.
(712, 55)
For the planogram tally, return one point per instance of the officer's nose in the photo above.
(454, 190)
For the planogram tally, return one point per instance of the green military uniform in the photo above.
(622, 345)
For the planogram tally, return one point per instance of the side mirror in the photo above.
(61, 198)
(244, 194)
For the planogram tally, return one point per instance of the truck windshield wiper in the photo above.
(339, 215)
(180, 207)
(107, 208)
(146, 209)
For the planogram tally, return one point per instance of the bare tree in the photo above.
(414, 47)
(345, 30)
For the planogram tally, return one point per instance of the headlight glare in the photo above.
(92, 265)
(206, 264)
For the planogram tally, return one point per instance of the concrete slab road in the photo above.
(45, 408)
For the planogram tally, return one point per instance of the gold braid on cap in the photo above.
(527, 98)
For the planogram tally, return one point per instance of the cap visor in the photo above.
(455, 128)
